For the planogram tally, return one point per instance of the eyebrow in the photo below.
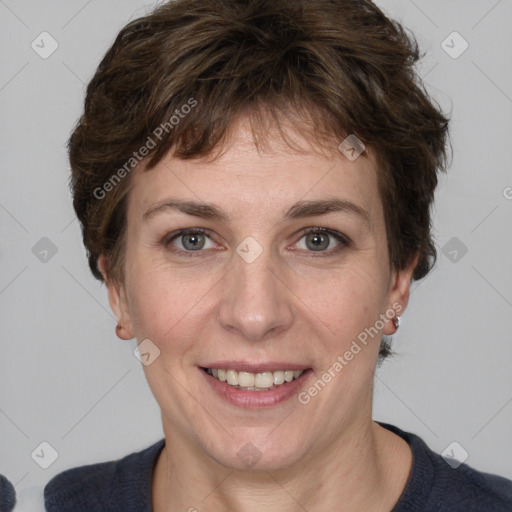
(299, 210)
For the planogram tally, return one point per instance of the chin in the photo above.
(247, 452)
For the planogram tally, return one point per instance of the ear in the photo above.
(399, 292)
(118, 301)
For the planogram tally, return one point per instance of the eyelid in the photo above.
(170, 237)
(344, 240)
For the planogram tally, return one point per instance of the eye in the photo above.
(194, 240)
(323, 240)
(189, 240)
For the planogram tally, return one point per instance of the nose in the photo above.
(255, 301)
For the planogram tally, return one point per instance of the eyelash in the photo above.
(343, 240)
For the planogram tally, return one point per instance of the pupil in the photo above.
(193, 242)
(318, 240)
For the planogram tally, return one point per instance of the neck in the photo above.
(367, 458)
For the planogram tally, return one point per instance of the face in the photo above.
(250, 267)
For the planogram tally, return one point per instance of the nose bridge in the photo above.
(255, 301)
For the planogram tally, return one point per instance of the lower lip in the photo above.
(256, 399)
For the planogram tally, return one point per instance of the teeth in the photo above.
(246, 380)
(232, 377)
(254, 381)
(278, 378)
(264, 380)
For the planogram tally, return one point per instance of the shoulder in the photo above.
(123, 484)
(465, 488)
(436, 486)
(7, 494)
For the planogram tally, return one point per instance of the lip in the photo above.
(257, 399)
(244, 366)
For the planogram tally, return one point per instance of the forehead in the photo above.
(244, 176)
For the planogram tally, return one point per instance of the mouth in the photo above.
(265, 386)
(248, 381)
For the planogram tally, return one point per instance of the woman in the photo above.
(254, 182)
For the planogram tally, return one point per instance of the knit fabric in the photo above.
(433, 486)
(7, 495)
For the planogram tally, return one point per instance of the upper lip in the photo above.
(244, 366)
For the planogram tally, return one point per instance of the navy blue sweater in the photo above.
(7, 495)
(433, 486)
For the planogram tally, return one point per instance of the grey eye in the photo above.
(193, 242)
(317, 241)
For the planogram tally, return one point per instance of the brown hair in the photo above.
(338, 66)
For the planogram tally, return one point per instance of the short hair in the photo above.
(181, 76)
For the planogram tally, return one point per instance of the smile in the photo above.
(264, 387)
(261, 381)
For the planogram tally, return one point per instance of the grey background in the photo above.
(66, 379)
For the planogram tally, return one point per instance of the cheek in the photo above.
(177, 307)
(164, 303)
(340, 305)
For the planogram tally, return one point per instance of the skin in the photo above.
(291, 304)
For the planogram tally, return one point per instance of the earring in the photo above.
(118, 328)
(396, 322)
